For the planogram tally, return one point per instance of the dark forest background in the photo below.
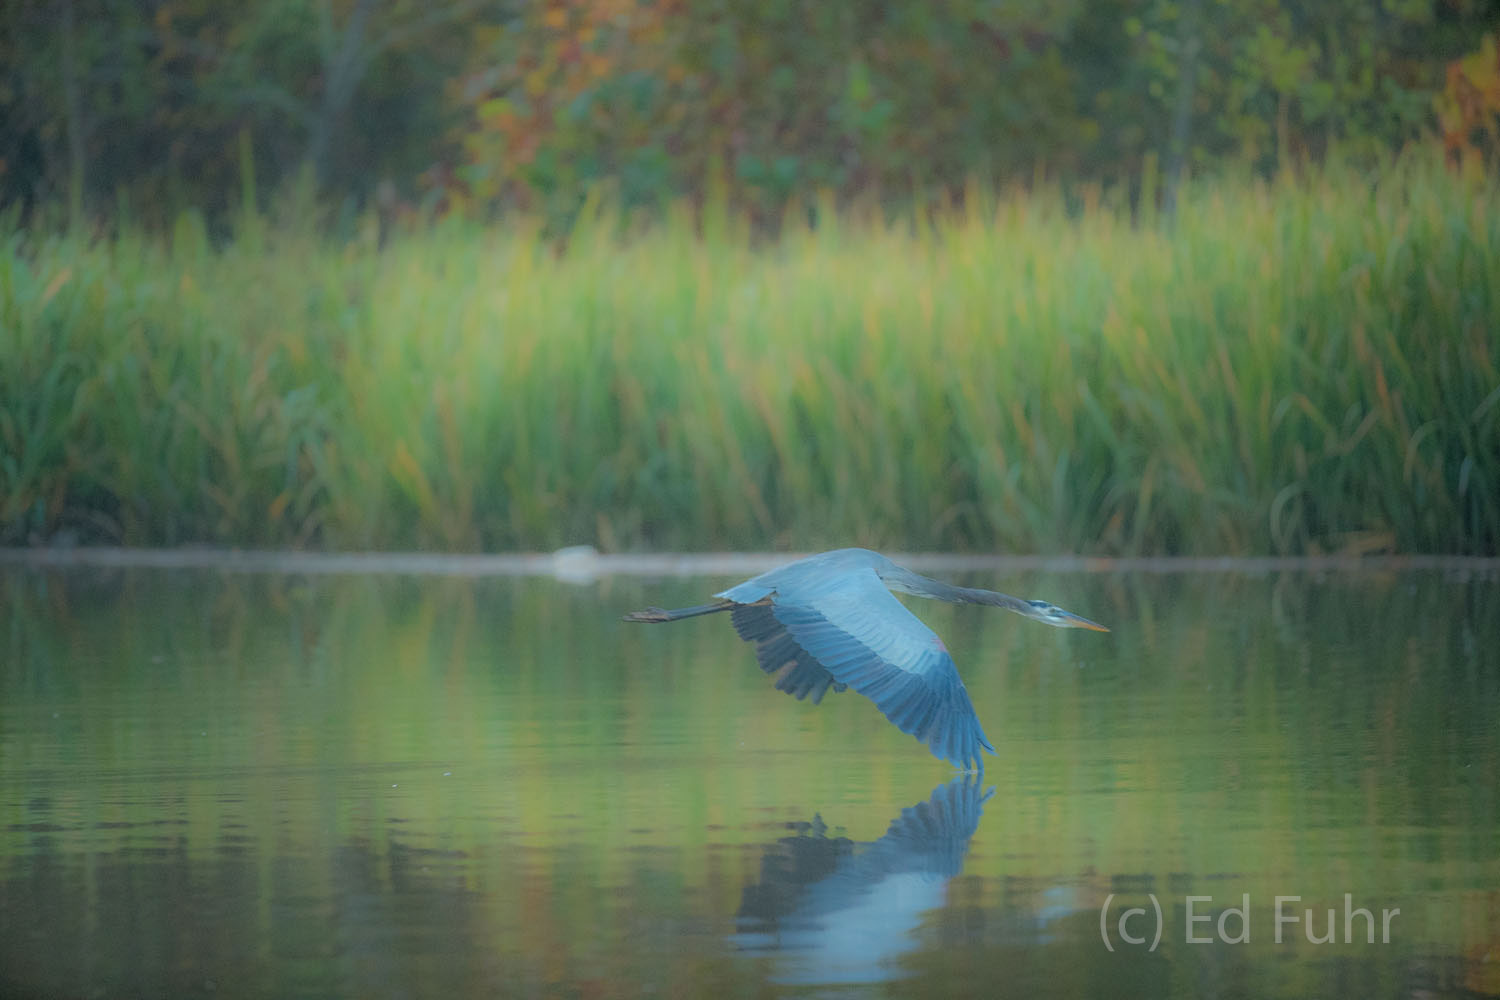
(148, 107)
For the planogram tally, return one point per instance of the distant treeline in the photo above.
(1303, 365)
(142, 108)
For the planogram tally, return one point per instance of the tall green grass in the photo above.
(1309, 365)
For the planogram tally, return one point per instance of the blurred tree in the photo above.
(1276, 81)
(149, 106)
(347, 89)
(149, 97)
(856, 95)
(65, 83)
(779, 96)
(1468, 108)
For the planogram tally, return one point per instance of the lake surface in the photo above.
(392, 786)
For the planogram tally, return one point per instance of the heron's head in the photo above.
(1056, 616)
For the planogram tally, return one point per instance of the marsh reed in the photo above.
(1303, 365)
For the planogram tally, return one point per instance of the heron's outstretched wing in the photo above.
(858, 632)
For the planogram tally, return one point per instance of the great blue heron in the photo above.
(830, 620)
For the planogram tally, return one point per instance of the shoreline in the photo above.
(583, 563)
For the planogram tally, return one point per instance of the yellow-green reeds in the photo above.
(1305, 365)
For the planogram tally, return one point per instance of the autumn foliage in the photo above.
(1468, 109)
(150, 107)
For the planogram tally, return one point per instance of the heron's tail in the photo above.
(663, 615)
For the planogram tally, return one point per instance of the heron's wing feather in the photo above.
(865, 638)
(796, 672)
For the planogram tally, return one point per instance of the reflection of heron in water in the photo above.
(829, 910)
(830, 620)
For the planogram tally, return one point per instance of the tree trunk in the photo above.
(73, 110)
(343, 67)
(1182, 113)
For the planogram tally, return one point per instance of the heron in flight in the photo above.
(830, 621)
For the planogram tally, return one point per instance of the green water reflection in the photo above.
(375, 787)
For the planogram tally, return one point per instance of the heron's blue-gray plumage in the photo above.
(830, 621)
(796, 672)
(835, 620)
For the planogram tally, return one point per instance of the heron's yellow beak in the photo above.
(1074, 621)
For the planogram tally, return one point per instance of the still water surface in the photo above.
(384, 786)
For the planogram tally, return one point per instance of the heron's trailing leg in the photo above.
(663, 615)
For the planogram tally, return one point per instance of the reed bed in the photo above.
(1306, 365)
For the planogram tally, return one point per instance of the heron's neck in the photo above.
(908, 582)
(993, 598)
